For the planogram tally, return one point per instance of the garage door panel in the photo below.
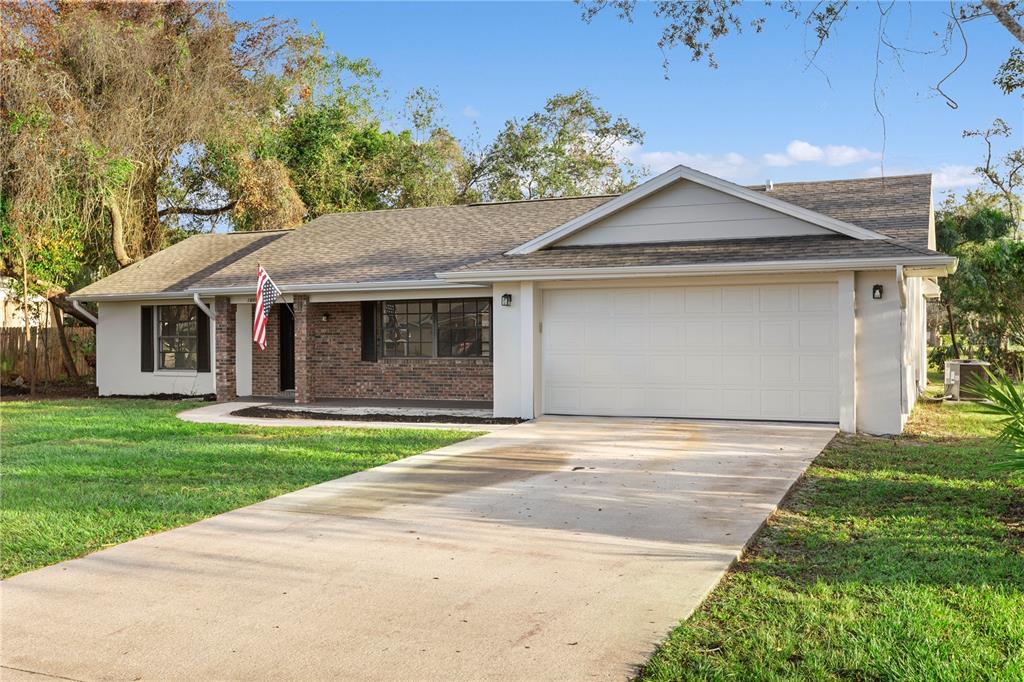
(776, 335)
(779, 404)
(563, 334)
(815, 334)
(817, 369)
(739, 334)
(702, 369)
(562, 368)
(776, 299)
(816, 298)
(778, 370)
(701, 300)
(702, 334)
(739, 403)
(817, 404)
(665, 301)
(738, 370)
(739, 300)
(666, 335)
(744, 351)
(664, 369)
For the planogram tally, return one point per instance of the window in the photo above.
(455, 328)
(177, 338)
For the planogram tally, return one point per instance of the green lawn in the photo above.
(80, 475)
(894, 559)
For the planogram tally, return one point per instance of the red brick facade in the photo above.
(337, 371)
(224, 344)
(266, 364)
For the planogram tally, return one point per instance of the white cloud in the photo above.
(802, 152)
(954, 176)
(469, 111)
(799, 151)
(730, 165)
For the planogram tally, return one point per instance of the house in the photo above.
(688, 296)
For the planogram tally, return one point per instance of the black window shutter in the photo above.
(369, 329)
(146, 339)
(202, 341)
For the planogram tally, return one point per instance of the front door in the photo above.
(287, 373)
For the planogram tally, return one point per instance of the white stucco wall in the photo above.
(878, 352)
(119, 356)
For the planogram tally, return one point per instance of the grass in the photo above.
(894, 559)
(81, 475)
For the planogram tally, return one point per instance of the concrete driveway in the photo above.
(559, 549)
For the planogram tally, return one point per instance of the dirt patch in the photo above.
(1014, 520)
(9, 392)
(265, 412)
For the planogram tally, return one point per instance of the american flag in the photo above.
(266, 294)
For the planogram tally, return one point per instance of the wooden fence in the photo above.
(44, 347)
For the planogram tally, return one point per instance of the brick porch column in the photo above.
(303, 360)
(224, 315)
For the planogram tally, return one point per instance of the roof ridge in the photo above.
(822, 182)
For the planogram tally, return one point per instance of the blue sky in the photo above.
(762, 114)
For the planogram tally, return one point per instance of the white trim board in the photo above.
(923, 265)
(676, 174)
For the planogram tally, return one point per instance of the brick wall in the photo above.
(335, 349)
(224, 328)
(266, 364)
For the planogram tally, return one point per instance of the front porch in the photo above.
(327, 357)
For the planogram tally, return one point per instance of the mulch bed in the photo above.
(51, 392)
(265, 412)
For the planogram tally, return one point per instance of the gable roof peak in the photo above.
(677, 174)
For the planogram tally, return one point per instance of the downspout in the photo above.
(901, 288)
(202, 306)
(85, 313)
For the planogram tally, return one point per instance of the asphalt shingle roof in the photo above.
(177, 268)
(723, 251)
(414, 244)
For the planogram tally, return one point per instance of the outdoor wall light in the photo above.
(324, 317)
(506, 300)
(876, 292)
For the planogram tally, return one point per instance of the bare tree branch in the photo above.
(195, 210)
(1003, 13)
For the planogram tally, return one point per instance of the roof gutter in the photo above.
(85, 313)
(285, 289)
(933, 265)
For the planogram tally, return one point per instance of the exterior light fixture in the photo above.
(506, 300)
(876, 292)
(324, 317)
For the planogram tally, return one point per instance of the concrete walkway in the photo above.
(560, 549)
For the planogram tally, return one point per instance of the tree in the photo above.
(984, 298)
(1005, 174)
(99, 102)
(697, 25)
(571, 147)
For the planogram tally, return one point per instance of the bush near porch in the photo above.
(82, 475)
(893, 559)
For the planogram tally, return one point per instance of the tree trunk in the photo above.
(65, 349)
(117, 233)
(29, 355)
(952, 330)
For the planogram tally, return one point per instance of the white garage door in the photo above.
(731, 352)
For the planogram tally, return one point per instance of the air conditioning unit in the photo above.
(961, 375)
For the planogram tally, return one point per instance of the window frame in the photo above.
(158, 338)
(486, 344)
